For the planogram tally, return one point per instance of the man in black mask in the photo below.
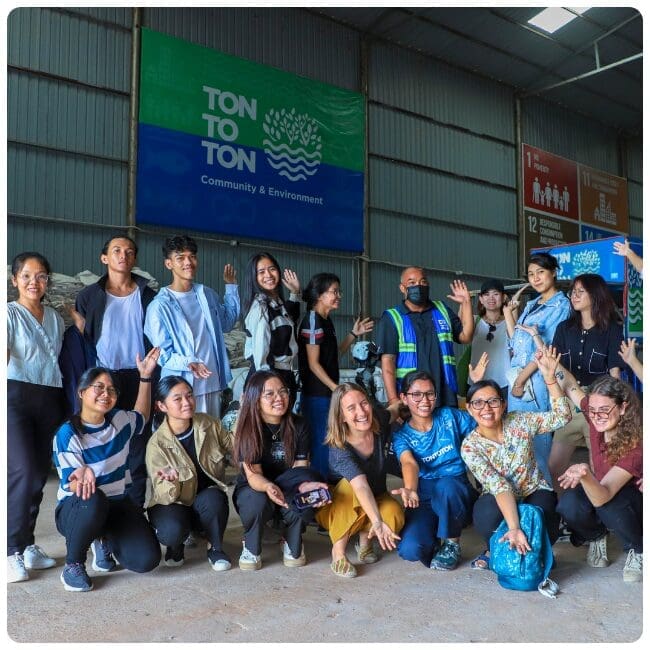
(418, 334)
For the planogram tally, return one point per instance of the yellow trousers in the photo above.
(345, 516)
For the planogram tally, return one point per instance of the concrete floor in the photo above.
(392, 601)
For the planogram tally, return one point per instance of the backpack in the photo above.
(530, 571)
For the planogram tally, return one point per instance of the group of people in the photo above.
(143, 373)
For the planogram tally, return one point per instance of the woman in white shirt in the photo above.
(35, 408)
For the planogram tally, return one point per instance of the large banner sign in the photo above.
(566, 202)
(230, 146)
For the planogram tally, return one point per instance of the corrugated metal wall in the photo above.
(441, 147)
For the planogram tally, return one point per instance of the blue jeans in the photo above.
(445, 509)
(315, 410)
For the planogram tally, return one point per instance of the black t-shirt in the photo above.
(187, 440)
(316, 330)
(589, 354)
(348, 463)
(427, 347)
(274, 459)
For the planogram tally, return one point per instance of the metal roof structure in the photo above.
(592, 66)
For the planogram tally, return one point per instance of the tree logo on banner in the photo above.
(293, 146)
(586, 262)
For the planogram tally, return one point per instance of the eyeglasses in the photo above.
(601, 414)
(336, 292)
(269, 269)
(417, 395)
(26, 278)
(270, 395)
(491, 329)
(100, 389)
(480, 404)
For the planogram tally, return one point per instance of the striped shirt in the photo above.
(103, 448)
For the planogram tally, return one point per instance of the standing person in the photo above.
(490, 333)
(187, 321)
(499, 453)
(527, 389)
(419, 334)
(117, 303)
(270, 320)
(607, 495)
(318, 355)
(90, 454)
(186, 461)
(35, 408)
(272, 446)
(589, 342)
(437, 494)
(361, 504)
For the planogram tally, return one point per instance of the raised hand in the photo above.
(229, 274)
(362, 326)
(290, 281)
(459, 292)
(147, 365)
(628, 349)
(477, 373)
(622, 248)
(547, 360)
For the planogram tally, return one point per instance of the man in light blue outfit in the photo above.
(187, 322)
(437, 494)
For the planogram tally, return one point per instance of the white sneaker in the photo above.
(291, 561)
(597, 553)
(16, 571)
(249, 561)
(36, 558)
(633, 569)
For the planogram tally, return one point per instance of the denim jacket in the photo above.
(167, 328)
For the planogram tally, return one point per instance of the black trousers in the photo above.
(623, 514)
(255, 509)
(34, 413)
(127, 532)
(209, 512)
(128, 382)
(487, 515)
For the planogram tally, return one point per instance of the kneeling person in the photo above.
(437, 494)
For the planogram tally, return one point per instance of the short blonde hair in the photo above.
(337, 428)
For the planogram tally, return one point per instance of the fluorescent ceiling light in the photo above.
(551, 19)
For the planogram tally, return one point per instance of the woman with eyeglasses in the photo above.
(318, 356)
(186, 461)
(270, 320)
(358, 439)
(499, 453)
(607, 493)
(589, 342)
(35, 408)
(490, 333)
(437, 494)
(272, 447)
(527, 389)
(91, 451)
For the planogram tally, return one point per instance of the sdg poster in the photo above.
(233, 147)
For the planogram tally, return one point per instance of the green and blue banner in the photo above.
(230, 146)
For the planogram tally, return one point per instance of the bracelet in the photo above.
(146, 380)
(553, 382)
(356, 336)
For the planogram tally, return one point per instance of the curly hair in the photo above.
(629, 432)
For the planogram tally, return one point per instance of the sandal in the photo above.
(481, 561)
(343, 568)
(366, 554)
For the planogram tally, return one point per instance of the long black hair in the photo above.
(251, 286)
(603, 307)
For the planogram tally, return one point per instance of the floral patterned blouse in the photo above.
(511, 466)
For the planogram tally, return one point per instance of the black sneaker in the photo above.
(565, 532)
(75, 578)
(175, 556)
(218, 559)
(102, 557)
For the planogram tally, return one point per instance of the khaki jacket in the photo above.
(212, 442)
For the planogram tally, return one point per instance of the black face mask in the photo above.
(418, 294)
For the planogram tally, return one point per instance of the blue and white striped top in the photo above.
(103, 448)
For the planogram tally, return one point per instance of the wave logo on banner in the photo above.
(586, 262)
(293, 146)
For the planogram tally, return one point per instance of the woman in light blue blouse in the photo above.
(528, 392)
(35, 405)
